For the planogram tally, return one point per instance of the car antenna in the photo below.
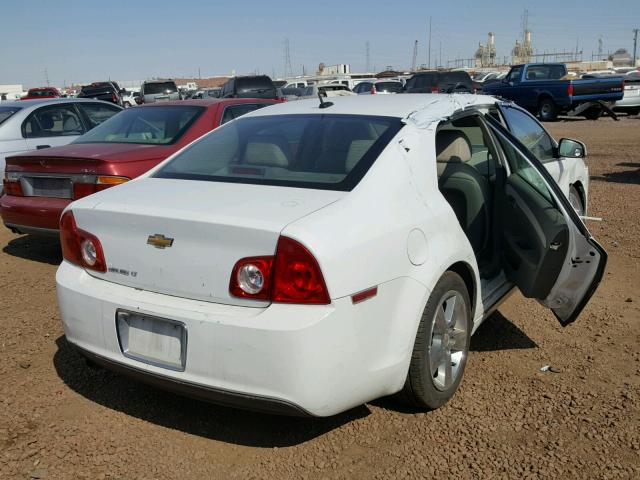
(323, 104)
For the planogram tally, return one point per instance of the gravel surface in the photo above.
(61, 419)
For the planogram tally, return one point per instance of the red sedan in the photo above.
(38, 185)
(41, 92)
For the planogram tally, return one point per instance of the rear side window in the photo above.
(160, 87)
(6, 112)
(328, 152)
(98, 112)
(54, 121)
(234, 111)
(146, 125)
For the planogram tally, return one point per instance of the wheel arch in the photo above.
(580, 188)
(468, 276)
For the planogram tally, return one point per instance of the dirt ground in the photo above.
(61, 419)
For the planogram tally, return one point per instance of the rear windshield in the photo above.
(327, 152)
(90, 90)
(393, 87)
(160, 87)
(451, 78)
(546, 72)
(150, 125)
(422, 80)
(41, 93)
(334, 88)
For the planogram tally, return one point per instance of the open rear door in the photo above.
(546, 250)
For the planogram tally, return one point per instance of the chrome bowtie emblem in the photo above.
(159, 241)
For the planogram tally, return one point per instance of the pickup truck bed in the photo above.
(545, 90)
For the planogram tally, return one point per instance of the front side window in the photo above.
(54, 121)
(329, 152)
(526, 129)
(519, 166)
(148, 125)
(514, 74)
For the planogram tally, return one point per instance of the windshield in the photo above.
(6, 112)
(160, 87)
(328, 152)
(150, 125)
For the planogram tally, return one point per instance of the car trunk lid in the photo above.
(182, 237)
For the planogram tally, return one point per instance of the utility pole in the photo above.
(415, 56)
(367, 64)
(429, 54)
(635, 45)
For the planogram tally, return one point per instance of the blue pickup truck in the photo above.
(545, 89)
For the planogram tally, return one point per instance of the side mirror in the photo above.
(570, 148)
(138, 100)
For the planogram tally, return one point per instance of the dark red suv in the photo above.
(38, 185)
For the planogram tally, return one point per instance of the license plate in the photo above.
(632, 92)
(49, 187)
(153, 340)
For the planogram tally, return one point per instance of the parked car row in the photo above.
(249, 268)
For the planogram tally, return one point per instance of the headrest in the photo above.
(266, 152)
(357, 149)
(70, 124)
(46, 122)
(452, 146)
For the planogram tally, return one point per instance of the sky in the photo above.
(84, 41)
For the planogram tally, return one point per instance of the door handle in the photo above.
(40, 147)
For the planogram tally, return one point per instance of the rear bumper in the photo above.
(293, 359)
(201, 392)
(32, 214)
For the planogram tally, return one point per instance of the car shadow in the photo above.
(189, 415)
(627, 176)
(498, 333)
(38, 249)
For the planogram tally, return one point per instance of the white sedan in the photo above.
(36, 124)
(307, 258)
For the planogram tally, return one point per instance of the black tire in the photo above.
(547, 110)
(593, 113)
(420, 388)
(575, 199)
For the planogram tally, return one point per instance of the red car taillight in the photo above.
(12, 187)
(570, 90)
(291, 276)
(79, 247)
(435, 90)
(102, 182)
(373, 89)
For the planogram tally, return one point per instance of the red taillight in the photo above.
(114, 99)
(373, 89)
(435, 90)
(292, 276)
(12, 187)
(102, 182)
(79, 247)
(570, 90)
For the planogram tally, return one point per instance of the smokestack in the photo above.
(527, 37)
(492, 39)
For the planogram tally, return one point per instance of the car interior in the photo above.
(502, 204)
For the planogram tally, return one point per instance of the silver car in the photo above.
(52, 122)
(630, 103)
(159, 91)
